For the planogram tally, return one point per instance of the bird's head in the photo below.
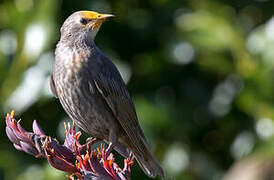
(83, 24)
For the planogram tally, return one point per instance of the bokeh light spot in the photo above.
(182, 53)
(35, 40)
(265, 128)
(242, 145)
(8, 42)
(224, 95)
(176, 159)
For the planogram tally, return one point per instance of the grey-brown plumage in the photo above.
(92, 92)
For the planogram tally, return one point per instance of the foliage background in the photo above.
(200, 73)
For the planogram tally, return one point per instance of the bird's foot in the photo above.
(109, 149)
(130, 155)
(90, 141)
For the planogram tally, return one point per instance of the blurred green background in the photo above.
(200, 73)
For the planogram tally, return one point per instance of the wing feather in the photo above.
(52, 86)
(110, 85)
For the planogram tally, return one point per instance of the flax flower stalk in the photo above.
(79, 160)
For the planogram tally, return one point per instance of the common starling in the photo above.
(93, 93)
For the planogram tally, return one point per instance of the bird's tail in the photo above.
(149, 164)
(146, 159)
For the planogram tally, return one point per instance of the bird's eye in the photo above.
(83, 21)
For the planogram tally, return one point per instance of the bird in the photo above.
(93, 93)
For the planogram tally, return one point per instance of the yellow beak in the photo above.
(99, 18)
(104, 16)
(95, 15)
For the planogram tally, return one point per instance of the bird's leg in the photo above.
(89, 142)
(92, 140)
(130, 155)
(109, 149)
(112, 141)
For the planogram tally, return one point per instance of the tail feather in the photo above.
(143, 155)
(149, 164)
(145, 158)
(121, 149)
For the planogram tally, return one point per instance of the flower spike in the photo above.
(72, 157)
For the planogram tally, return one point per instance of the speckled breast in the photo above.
(77, 94)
